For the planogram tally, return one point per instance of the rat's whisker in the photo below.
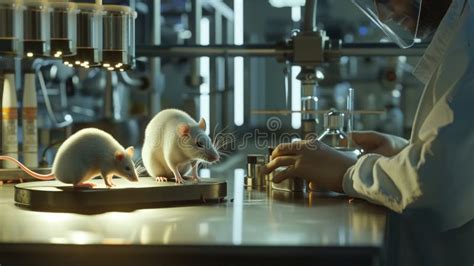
(138, 161)
(214, 131)
(225, 143)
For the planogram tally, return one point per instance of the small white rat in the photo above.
(88, 153)
(174, 142)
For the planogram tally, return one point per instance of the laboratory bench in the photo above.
(251, 227)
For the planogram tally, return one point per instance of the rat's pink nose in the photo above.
(213, 158)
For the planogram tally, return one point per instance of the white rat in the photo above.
(174, 142)
(88, 153)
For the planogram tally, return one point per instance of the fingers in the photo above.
(277, 162)
(288, 149)
(287, 173)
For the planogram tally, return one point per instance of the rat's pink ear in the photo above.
(202, 123)
(130, 151)
(183, 130)
(119, 155)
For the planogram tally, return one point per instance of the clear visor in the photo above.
(399, 20)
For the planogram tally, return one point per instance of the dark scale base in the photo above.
(57, 196)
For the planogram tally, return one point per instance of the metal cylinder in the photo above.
(10, 28)
(118, 37)
(36, 28)
(309, 24)
(334, 120)
(63, 28)
(88, 35)
(254, 178)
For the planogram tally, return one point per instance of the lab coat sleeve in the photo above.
(436, 173)
(389, 181)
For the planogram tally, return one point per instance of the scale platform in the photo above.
(54, 195)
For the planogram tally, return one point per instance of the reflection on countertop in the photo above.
(246, 218)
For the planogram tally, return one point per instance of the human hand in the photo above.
(313, 160)
(379, 143)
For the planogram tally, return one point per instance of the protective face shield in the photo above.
(398, 19)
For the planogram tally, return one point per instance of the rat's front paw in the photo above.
(161, 179)
(179, 180)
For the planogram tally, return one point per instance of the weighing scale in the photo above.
(54, 195)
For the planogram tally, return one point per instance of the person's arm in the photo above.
(379, 143)
(435, 173)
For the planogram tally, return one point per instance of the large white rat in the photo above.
(88, 153)
(175, 143)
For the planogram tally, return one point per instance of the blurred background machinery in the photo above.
(237, 63)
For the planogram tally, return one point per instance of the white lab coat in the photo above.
(435, 171)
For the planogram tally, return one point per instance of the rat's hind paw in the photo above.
(179, 180)
(161, 179)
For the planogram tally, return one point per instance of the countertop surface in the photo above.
(245, 218)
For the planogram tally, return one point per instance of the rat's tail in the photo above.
(27, 170)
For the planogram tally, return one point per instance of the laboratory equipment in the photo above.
(63, 18)
(294, 184)
(333, 133)
(9, 119)
(118, 37)
(29, 123)
(36, 28)
(335, 136)
(10, 28)
(88, 36)
(254, 178)
(350, 114)
(54, 195)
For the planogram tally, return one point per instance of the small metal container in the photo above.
(254, 178)
(294, 184)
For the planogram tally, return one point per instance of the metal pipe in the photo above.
(355, 49)
(154, 103)
(309, 24)
(195, 26)
(375, 49)
(212, 51)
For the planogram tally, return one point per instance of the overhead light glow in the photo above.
(204, 68)
(287, 3)
(239, 91)
(238, 63)
(296, 13)
(295, 97)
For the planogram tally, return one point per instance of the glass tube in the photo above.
(11, 31)
(118, 37)
(350, 116)
(36, 28)
(63, 28)
(88, 36)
